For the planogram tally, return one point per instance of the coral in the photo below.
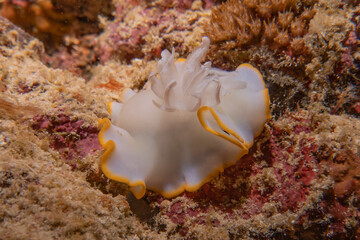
(238, 23)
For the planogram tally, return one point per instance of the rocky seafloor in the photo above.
(62, 61)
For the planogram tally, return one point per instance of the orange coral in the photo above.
(241, 21)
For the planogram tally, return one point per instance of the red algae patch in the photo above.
(70, 137)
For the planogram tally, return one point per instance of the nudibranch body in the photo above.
(192, 122)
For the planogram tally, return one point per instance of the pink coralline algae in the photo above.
(281, 175)
(70, 137)
(128, 37)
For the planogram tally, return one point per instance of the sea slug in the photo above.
(191, 123)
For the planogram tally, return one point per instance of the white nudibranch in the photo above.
(192, 122)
